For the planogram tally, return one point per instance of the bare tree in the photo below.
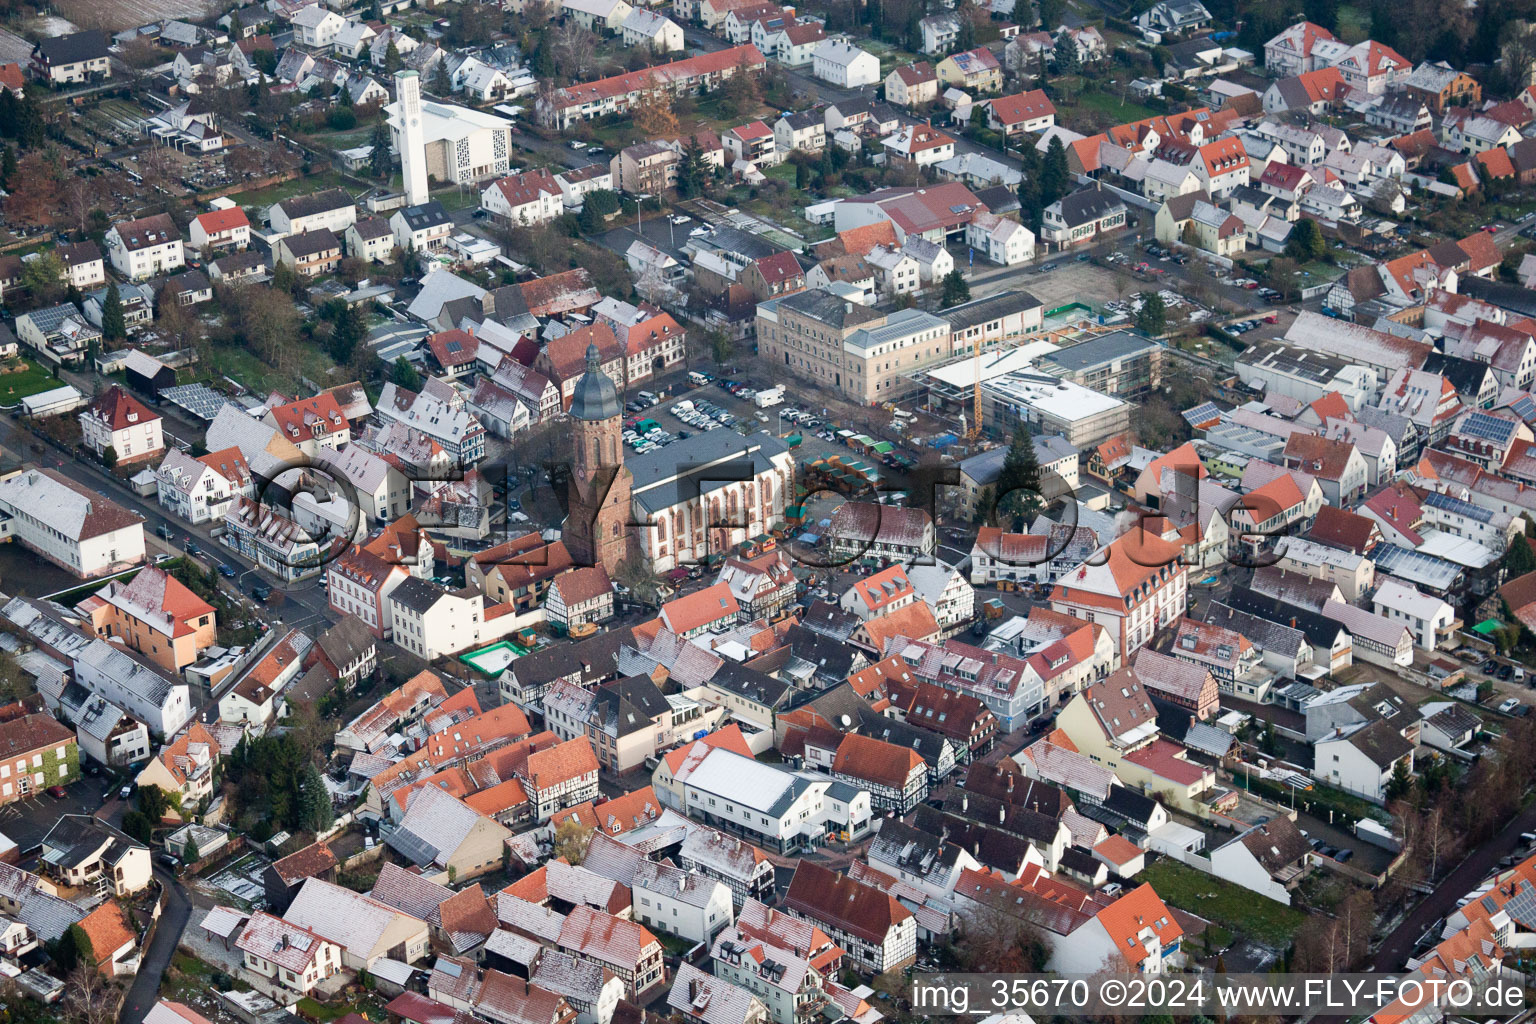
(90, 996)
(575, 50)
(1517, 47)
(1001, 942)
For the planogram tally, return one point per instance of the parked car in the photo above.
(57, 792)
(1508, 705)
(1343, 855)
(226, 570)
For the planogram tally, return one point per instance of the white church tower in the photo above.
(413, 150)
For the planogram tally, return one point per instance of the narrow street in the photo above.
(1394, 951)
(305, 605)
(145, 990)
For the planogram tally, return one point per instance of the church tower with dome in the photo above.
(597, 525)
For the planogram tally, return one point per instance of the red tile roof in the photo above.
(218, 221)
(847, 905)
(452, 349)
(309, 418)
(699, 609)
(1138, 909)
(877, 761)
(557, 765)
(672, 74)
(1024, 106)
(118, 410)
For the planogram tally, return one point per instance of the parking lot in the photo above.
(701, 409)
(28, 820)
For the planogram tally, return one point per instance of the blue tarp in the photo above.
(944, 440)
(808, 538)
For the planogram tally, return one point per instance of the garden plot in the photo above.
(115, 15)
(242, 880)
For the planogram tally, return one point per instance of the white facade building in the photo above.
(69, 525)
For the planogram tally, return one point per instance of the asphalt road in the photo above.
(157, 958)
(1466, 876)
(305, 603)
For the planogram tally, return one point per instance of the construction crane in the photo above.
(974, 433)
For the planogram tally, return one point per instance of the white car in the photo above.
(679, 219)
(1509, 705)
(699, 231)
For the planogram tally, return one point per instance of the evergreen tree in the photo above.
(112, 326)
(1306, 242)
(404, 374)
(349, 329)
(7, 163)
(391, 57)
(802, 177)
(1055, 177)
(1023, 12)
(29, 130)
(956, 290)
(190, 854)
(983, 507)
(315, 801)
(1518, 558)
(965, 39)
(590, 221)
(692, 171)
(442, 84)
(1152, 317)
(1051, 12)
(10, 114)
(1018, 483)
(379, 163)
(544, 57)
(236, 26)
(1030, 205)
(1068, 60)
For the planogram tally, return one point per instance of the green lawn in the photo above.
(285, 190)
(1123, 111)
(1244, 912)
(243, 365)
(26, 378)
(454, 198)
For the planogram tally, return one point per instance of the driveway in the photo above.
(157, 958)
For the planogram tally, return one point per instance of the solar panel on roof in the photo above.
(1202, 413)
(1522, 906)
(1492, 428)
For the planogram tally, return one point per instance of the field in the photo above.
(1245, 913)
(115, 15)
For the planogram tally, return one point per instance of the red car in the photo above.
(57, 792)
